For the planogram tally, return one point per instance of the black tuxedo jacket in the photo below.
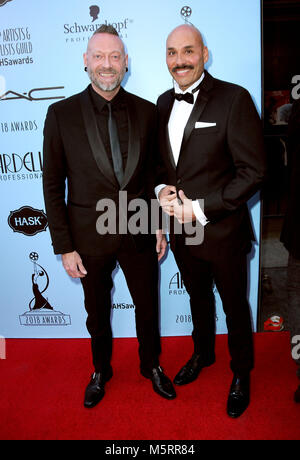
(223, 164)
(74, 154)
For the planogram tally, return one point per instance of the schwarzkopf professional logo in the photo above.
(41, 312)
(82, 32)
(3, 2)
(28, 221)
(94, 12)
(186, 12)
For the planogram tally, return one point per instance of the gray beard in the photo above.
(106, 87)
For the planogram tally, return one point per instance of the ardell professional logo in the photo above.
(15, 167)
(176, 286)
(35, 94)
(28, 221)
(41, 312)
(186, 12)
(3, 2)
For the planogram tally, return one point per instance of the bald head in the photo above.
(186, 55)
(187, 29)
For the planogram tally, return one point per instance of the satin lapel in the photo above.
(94, 138)
(133, 143)
(166, 117)
(199, 106)
(195, 115)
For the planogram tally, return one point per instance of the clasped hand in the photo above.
(181, 208)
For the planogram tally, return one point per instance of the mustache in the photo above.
(107, 70)
(182, 67)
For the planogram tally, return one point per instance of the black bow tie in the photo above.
(187, 97)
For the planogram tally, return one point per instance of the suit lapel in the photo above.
(133, 143)
(165, 120)
(199, 106)
(94, 138)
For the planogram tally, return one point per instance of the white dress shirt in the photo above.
(180, 114)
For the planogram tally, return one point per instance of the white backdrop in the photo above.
(41, 48)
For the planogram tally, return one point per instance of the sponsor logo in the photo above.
(94, 12)
(15, 167)
(41, 312)
(15, 46)
(274, 323)
(28, 221)
(176, 286)
(76, 32)
(35, 94)
(186, 12)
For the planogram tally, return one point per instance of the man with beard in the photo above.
(101, 141)
(212, 150)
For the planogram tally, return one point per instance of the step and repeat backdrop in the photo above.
(41, 62)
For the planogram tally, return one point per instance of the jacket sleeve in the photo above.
(54, 185)
(245, 144)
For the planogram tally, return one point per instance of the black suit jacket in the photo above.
(222, 164)
(74, 154)
(291, 227)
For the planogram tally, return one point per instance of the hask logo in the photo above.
(28, 221)
(41, 311)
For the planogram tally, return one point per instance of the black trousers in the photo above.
(227, 269)
(141, 272)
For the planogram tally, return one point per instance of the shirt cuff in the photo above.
(200, 216)
(158, 188)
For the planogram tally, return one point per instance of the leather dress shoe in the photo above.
(190, 371)
(239, 396)
(162, 385)
(95, 390)
(297, 395)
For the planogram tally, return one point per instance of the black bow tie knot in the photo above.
(187, 97)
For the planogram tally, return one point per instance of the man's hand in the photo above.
(184, 212)
(73, 265)
(161, 244)
(166, 196)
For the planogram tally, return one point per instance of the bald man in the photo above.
(212, 162)
(101, 141)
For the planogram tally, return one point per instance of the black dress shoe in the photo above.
(297, 395)
(191, 370)
(95, 390)
(239, 396)
(162, 385)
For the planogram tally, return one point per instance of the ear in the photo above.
(85, 59)
(205, 54)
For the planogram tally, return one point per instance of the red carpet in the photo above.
(43, 381)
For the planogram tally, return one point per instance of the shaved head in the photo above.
(186, 55)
